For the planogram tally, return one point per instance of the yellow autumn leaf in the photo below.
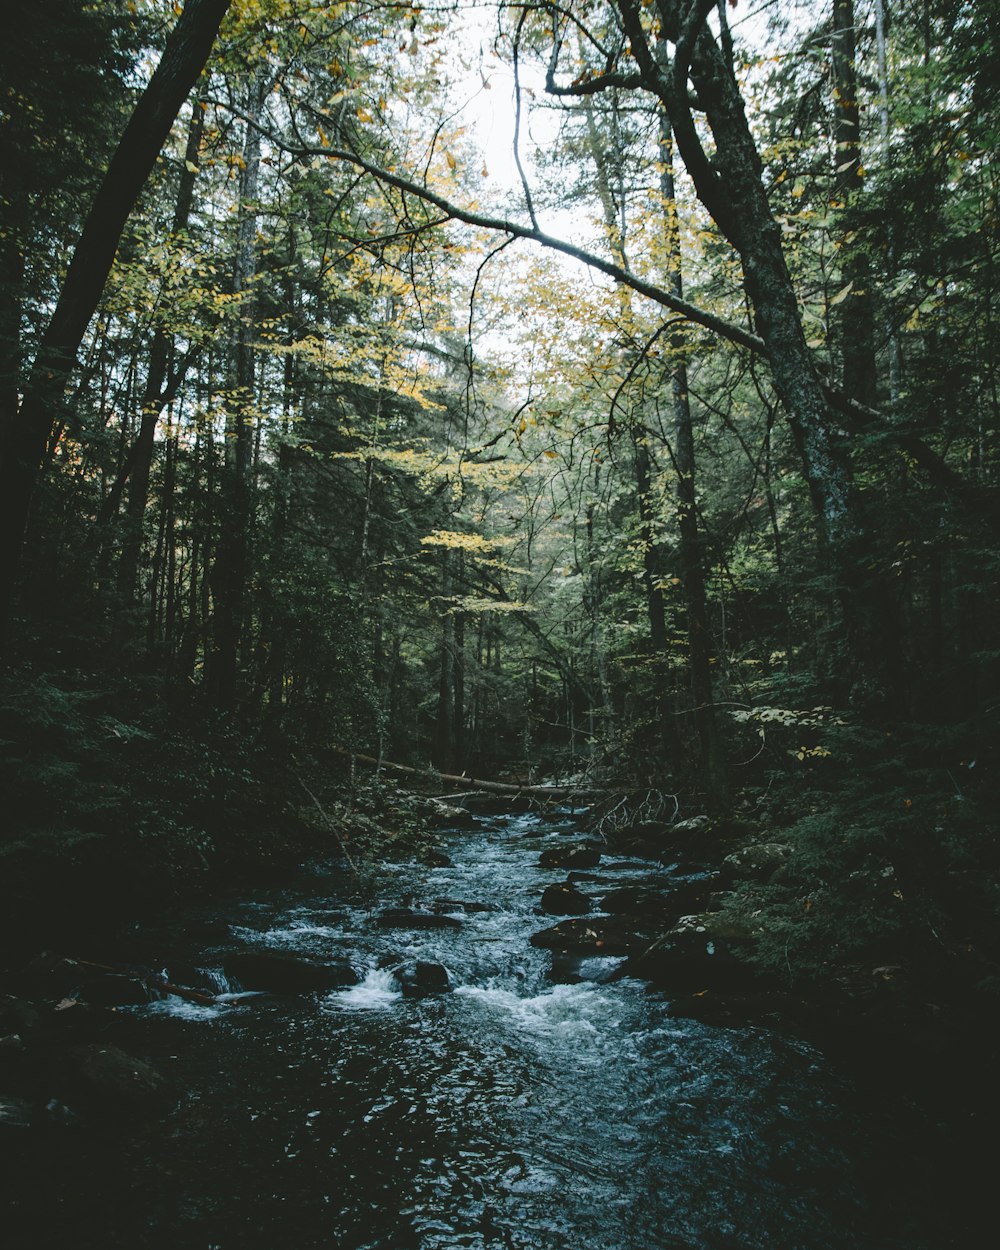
(452, 163)
(842, 294)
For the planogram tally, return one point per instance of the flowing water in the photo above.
(530, 1108)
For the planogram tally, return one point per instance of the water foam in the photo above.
(572, 1012)
(379, 991)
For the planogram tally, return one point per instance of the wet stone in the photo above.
(412, 918)
(600, 936)
(114, 989)
(565, 900)
(103, 1079)
(582, 855)
(423, 977)
(288, 974)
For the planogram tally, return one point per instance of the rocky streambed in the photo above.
(490, 1055)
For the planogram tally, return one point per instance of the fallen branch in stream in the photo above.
(474, 784)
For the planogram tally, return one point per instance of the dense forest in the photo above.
(600, 396)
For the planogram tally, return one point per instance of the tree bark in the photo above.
(184, 56)
(135, 471)
(712, 759)
(857, 320)
(230, 574)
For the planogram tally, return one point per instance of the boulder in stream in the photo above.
(689, 959)
(579, 855)
(564, 899)
(414, 918)
(637, 900)
(104, 1080)
(281, 973)
(116, 989)
(603, 935)
(422, 978)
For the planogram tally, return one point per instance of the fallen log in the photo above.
(474, 783)
(192, 996)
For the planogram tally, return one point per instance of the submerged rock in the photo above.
(565, 899)
(423, 977)
(580, 855)
(281, 973)
(600, 936)
(454, 904)
(411, 918)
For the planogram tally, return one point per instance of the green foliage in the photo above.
(117, 795)
(890, 864)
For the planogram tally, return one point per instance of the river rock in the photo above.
(757, 862)
(600, 936)
(411, 918)
(422, 978)
(694, 824)
(580, 855)
(565, 899)
(103, 1079)
(636, 900)
(444, 815)
(116, 989)
(688, 959)
(281, 973)
(453, 904)
(18, 1017)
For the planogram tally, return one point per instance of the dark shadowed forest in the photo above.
(428, 426)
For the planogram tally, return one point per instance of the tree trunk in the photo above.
(230, 574)
(184, 56)
(857, 321)
(135, 470)
(444, 736)
(712, 759)
(730, 185)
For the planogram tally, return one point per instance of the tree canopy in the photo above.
(657, 442)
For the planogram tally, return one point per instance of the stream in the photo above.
(534, 1107)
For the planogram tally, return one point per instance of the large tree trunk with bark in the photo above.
(729, 182)
(230, 574)
(21, 456)
(136, 469)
